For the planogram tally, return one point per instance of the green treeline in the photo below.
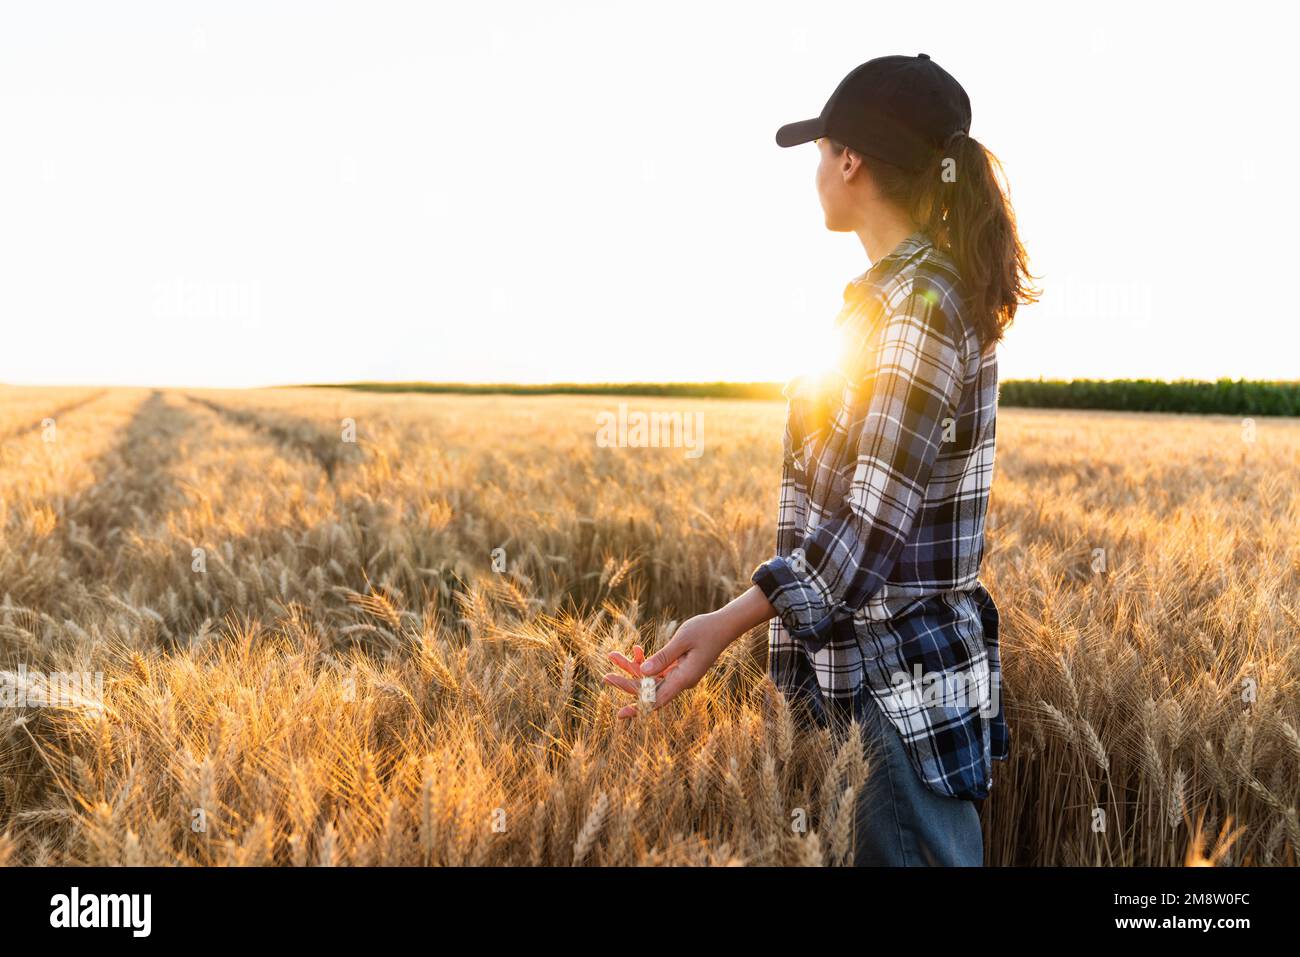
(1224, 397)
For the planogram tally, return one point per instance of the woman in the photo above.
(877, 612)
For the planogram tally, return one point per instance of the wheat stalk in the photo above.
(590, 829)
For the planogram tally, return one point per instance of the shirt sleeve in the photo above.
(911, 385)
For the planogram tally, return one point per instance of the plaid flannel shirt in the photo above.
(885, 486)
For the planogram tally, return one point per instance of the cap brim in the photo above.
(805, 131)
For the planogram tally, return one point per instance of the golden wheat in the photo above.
(320, 651)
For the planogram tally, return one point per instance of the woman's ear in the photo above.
(858, 175)
(851, 165)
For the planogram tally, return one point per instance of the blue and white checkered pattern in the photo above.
(880, 533)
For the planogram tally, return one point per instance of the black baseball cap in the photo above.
(900, 109)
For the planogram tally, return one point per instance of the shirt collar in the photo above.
(887, 266)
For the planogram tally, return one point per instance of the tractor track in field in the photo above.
(133, 486)
(56, 414)
(296, 435)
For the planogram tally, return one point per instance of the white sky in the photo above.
(255, 193)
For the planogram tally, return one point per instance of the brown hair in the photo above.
(960, 200)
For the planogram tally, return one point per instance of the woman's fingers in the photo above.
(679, 679)
(634, 667)
(670, 652)
(631, 667)
(619, 681)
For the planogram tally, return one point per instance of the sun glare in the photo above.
(819, 354)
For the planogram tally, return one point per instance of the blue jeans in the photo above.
(901, 822)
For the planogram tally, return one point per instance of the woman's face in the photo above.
(835, 173)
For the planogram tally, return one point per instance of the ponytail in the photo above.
(961, 201)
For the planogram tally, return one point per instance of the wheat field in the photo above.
(345, 628)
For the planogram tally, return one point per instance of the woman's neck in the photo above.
(882, 233)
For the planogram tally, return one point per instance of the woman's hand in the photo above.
(679, 665)
(690, 653)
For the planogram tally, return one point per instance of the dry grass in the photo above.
(341, 676)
